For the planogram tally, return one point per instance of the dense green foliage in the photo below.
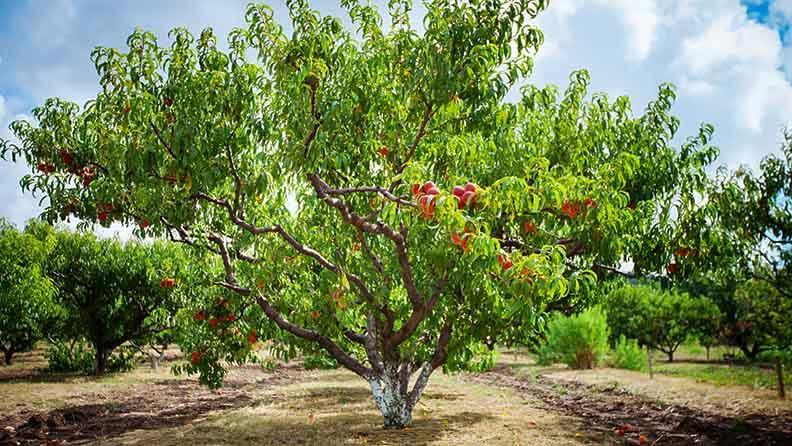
(660, 319)
(755, 315)
(27, 307)
(323, 174)
(627, 354)
(114, 293)
(579, 341)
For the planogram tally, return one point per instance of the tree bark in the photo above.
(391, 399)
(780, 376)
(707, 348)
(8, 354)
(100, 361)
(670, 356)
(392, 395)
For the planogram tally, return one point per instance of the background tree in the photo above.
(746, 221)
(373, 196)
(660, 319)
(116, 293)
(26, 293)
(762, 319)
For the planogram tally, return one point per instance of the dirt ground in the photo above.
(509, 405)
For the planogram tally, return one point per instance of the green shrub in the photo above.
(769, 356)
(79, 356)
(70, 356)
(579, 341)
(123, 360)
(627, 354)
(319, 361)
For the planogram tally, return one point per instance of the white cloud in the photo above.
(727, 66)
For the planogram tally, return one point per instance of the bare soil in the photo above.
(152, 405)
(629, 415)
(516, 403)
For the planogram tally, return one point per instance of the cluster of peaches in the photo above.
(83, 172)
(572, 208)
(223, 317)
(427, 193)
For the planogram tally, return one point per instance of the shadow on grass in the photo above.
(333, 415)
(340, 429)
(163, 405)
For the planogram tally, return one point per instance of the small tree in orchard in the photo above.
(763, 318)
(372, 196)
(660, 319)
(116, 293)
(744, 224)
(26, 293)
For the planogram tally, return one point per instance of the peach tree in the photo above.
(369, 191)
(26, 293)
(115, 293)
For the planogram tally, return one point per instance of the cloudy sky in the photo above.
(731, 59)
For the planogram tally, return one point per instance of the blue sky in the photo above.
(730, 59)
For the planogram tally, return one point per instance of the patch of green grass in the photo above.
(722, 375)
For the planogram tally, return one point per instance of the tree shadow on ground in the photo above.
(162, 405)
(334, 415)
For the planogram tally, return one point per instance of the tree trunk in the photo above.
(751, 352)
(707, 348)
(100, 361)
(670, 356)
(649, 357)
(391, 393)
(8, 354)
(780, 376)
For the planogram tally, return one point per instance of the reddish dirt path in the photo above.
(148, 406)
(611, 409)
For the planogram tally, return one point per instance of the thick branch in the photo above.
(416, 317)
(379, 228)
(274, 315)
(438, 358)
(399, 238)
(312, 253)
(371, 189)
(335, 351)
(371, 345)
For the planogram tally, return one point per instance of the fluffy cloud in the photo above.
(728, 67)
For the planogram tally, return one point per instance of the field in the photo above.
(516, 403)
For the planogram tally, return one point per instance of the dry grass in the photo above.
(335, 408)
(727, 400)
(724, 400)
(311, 407)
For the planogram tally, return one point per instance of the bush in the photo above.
(319, 361)
(79, 356)
(579, 341)
(70, 356)
(627, 354)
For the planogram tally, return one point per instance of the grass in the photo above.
(328, 407)
(335, 408)
(724, 375)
